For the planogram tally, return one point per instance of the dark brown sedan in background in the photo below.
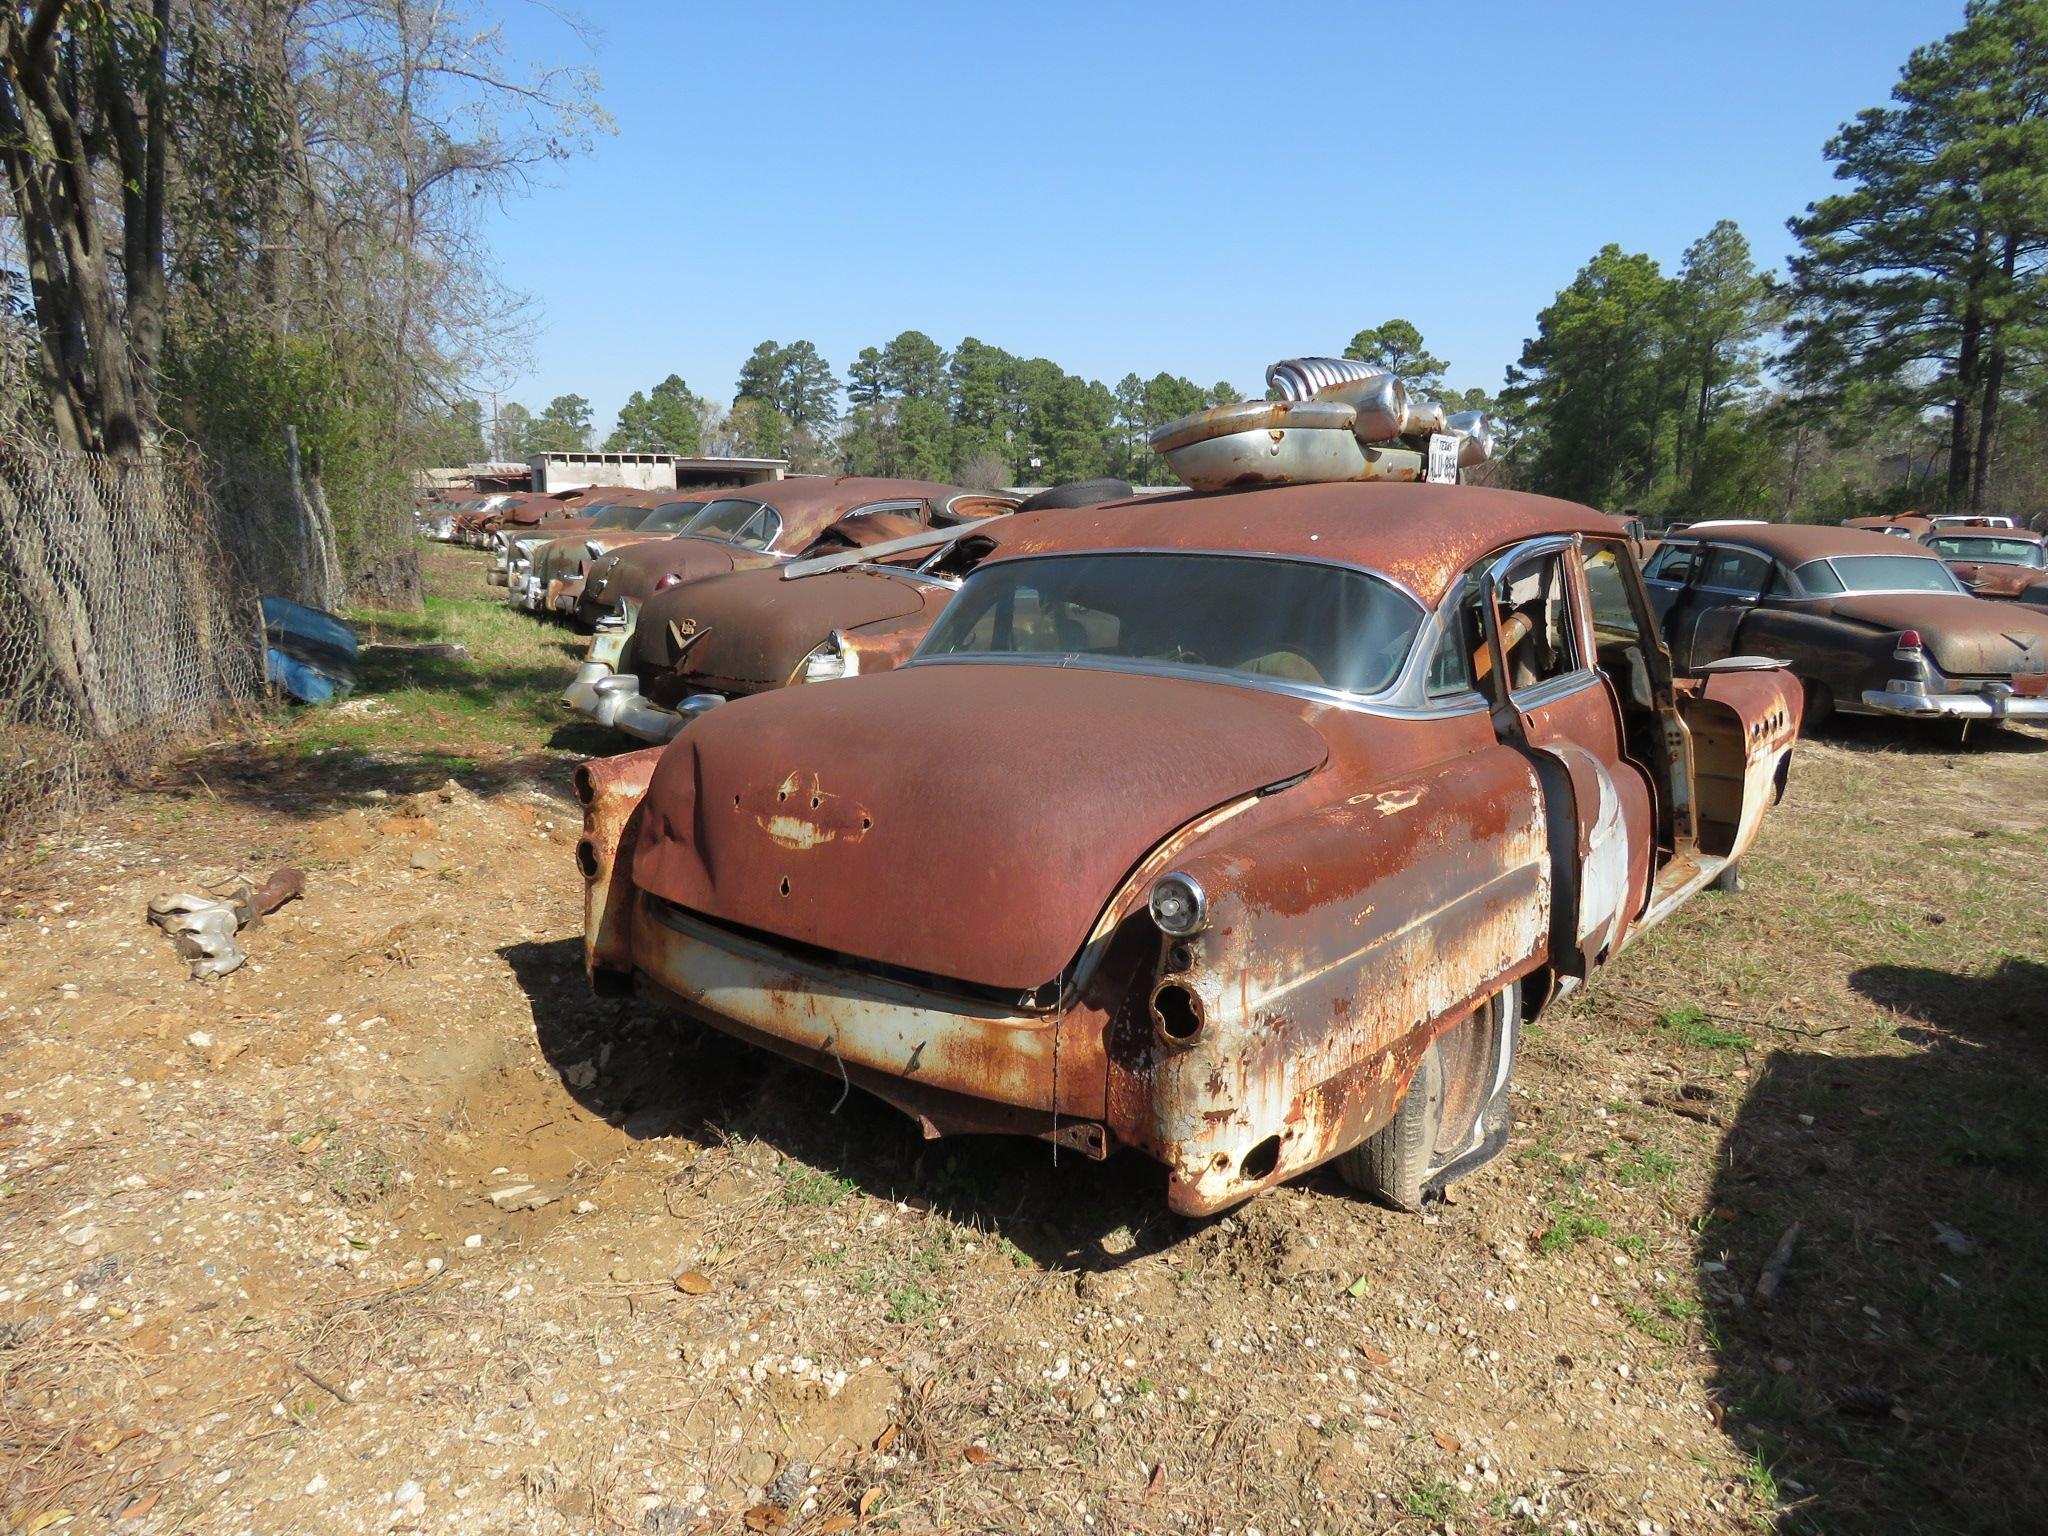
(1871, 623)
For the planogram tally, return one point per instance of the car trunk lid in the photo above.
(961, 821)
(1966, 636)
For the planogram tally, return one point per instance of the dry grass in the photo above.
(964, 1334)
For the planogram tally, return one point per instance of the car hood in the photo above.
(1966, 636)
(964, 821)
(754, 627)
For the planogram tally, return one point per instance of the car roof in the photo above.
(1797, 543)
(1423, 536)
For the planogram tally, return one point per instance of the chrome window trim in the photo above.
(1001, 556)
(1385, 703)
(1551, 689)
(909, 573)
(1401, 698)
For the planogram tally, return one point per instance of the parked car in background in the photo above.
(1869, 624)
(768, 523)
(845, 614)
(553, 580)
(2011, 563)
(609, 507)
(822, 619)
(1245, 828)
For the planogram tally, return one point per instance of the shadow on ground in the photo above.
(1899, 1381)
(1923, 738)
(666, 1076)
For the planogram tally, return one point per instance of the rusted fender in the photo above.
(610, 790)
(1339, 944)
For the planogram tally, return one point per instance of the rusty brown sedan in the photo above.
(2009, 563)
(767, 524)
(1245, 829)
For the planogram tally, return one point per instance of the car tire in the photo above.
(1393, 1164)
(1416, 1154)
(1820, 704)
(1076, 493)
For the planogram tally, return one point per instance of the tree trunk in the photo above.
(1959, 441)
(1994, 386)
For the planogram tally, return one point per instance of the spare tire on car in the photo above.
(1076, 493)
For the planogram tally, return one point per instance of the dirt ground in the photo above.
(397, 1228)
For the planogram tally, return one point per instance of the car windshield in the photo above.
(669, 518)
(619, 515)
(1321, 625)
(1957, 546)
(1892, 573)
(723, 519)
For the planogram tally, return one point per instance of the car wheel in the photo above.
(1820, 704)
(1076, 493)
(1454, 1116)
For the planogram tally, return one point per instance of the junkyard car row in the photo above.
(1243, 826)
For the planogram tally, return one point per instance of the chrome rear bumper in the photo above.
(1997, 702)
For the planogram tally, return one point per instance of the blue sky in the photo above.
(1200, 188)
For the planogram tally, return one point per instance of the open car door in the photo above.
(1549, 698)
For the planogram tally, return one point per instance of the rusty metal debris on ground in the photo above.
(204, 926)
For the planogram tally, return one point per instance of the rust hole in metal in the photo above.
(586, 785)
(1177, 1011)
(866, 822)
(1261, 1160)
(735, 802)
(784, 886)
(1181, 956)
(816, 801)
(586, 858)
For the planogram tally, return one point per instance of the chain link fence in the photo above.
(128, 617)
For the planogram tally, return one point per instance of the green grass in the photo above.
(443, 713)
(1432, 1498)
(912, 1304)
(1568, 1229)
(1692, 1026)
(802, 1185)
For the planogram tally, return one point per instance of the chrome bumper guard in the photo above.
(613, 698)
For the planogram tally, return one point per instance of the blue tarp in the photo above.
(311, 655)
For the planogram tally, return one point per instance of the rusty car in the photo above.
(606, 515)
(2008, 563)
(767, 524)
(555, 572)
(1243, 828)
(847, 613)
(1869, 623)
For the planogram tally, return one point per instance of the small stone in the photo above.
(757, 1469)
(580, 1075)
(422, 859)
(474, 1240)
(410, 1499)
(585, 1207)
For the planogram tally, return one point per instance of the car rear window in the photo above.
(618, 515)
(1291, 621)
(1978, 547)
(1893, 573)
